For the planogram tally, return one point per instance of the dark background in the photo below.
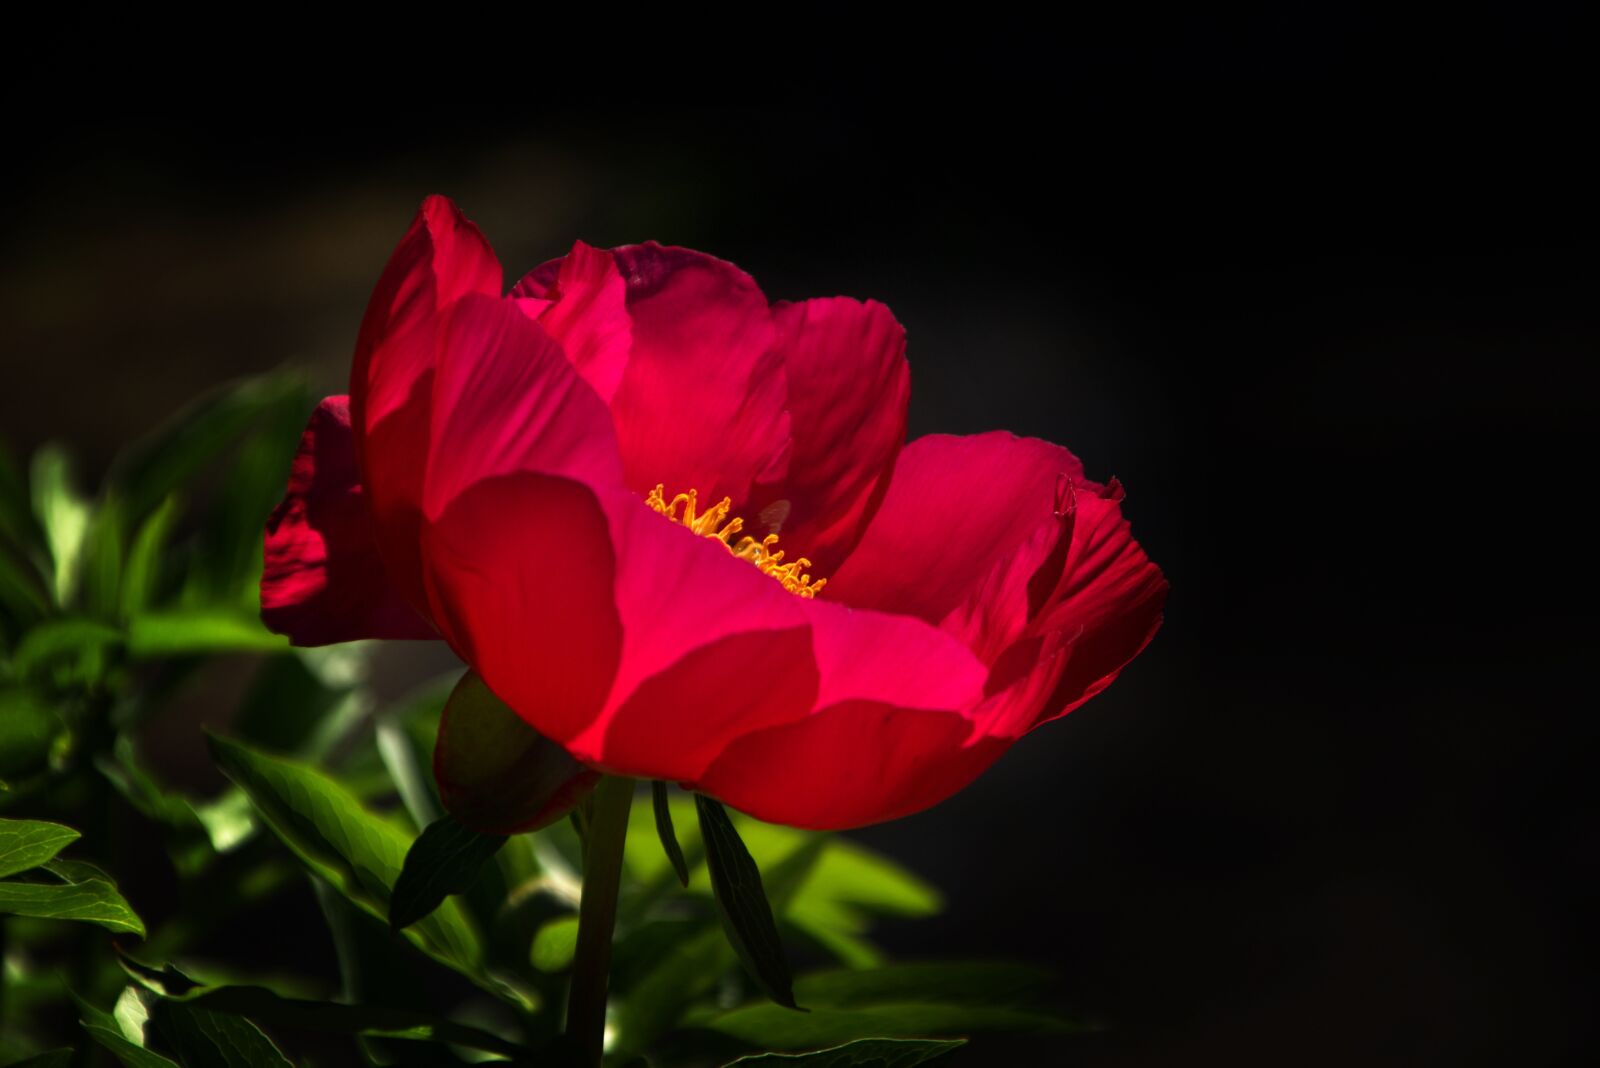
(1320, 291)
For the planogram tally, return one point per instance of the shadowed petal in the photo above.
(505, 400)
(702, 402)
(849, 765)
(1107, 604)
(520, 577)
(848, 389)
(323, 580)
(442, 258)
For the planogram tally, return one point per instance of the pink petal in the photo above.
(710, 646)
(848, 390)
(1108, 602)
(322, 579)
(506, 400)
(702, 402)
(713, 650)
(519, 573)
(588, 315)
(517, 550)
(957, 508)
(852, 764)
(442, 258)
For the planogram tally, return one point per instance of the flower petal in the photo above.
(852, 764)
(702, 402)
(441, 258)
(711, 646)
(519, 571)
(505, 400)
(586, 311)
(849, 385)
(322, 580)
(517, 550)
(1108, 602)
(956, 508)
(713, 649)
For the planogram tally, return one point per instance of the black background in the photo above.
(1318, 289)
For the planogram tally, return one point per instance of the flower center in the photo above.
(714, 523)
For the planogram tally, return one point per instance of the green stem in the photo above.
(597, 917)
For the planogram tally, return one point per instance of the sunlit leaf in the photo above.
(191, 631)
(742, 903)
(555, 944)
(63, 515)
(446, 859)
(205, 1039)
(81, 892)
(354, 850)
(101, 565)
(141, 577)
(108, 1032)
(27, 844)
(75, 641)
(864, 1053)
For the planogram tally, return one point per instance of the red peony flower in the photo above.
(677, 529)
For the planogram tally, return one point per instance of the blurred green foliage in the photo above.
(114, 603)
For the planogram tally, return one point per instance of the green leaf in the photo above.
(268, 1007)
(63, 515)
(864, 1053)
(28, 728)
(205, 1039)
(669, 840)
(128, 1054)
(742, 903)
(445, 859)
(690, 967)
(101, 566)
(83, 641)
(27, 844)
(23, 593)
(110, 1033)
(555, 944)
(193, 439)
(84, 893)
(497, 774)
(357, 852)
(187, 632)
(141, 577)
(285, 705)
(900, 1001)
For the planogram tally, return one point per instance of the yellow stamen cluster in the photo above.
(714, 523)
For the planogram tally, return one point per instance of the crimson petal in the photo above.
(849, 386)
(701, 404)
(322, 579)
